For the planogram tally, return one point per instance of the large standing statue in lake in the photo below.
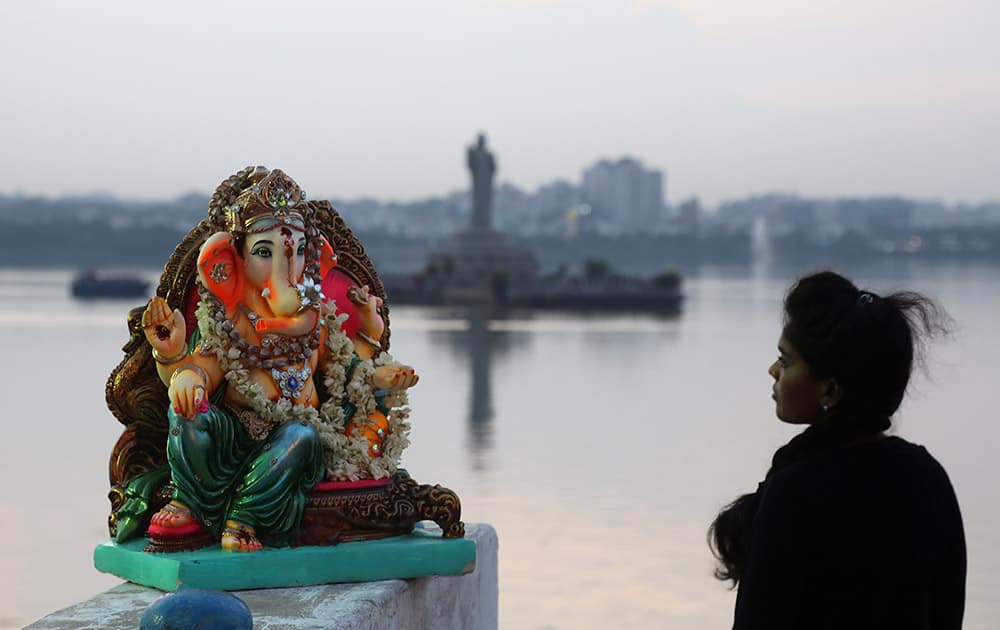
(271, 347)
(483, 166)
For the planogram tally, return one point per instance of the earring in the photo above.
(825, 407)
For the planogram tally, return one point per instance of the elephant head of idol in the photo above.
(269, 258)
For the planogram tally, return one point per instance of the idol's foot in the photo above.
(240, 537)
(173, 516)
(174, 528)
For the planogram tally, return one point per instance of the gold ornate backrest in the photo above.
(134, 393)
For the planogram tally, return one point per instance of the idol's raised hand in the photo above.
(164, 330)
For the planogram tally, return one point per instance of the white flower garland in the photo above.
(346, 456)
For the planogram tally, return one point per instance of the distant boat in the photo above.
(108, 284)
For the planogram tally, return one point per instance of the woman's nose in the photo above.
(773, 370)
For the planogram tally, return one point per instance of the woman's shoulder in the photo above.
(896, 449)
(917, 462)
(882, 479)
(874, 460)
(892, 469)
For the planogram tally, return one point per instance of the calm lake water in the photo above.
(599, 447)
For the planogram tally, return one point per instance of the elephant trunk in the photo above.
(289, 260)
(283, 295)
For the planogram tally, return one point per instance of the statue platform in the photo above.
(421, 553)
(468, 601)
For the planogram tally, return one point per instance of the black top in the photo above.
(862, 536)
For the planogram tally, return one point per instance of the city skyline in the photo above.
(380, 99)
(577, 182)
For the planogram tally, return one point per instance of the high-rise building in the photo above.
(624, 195)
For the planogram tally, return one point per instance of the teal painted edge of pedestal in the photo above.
(415, 555)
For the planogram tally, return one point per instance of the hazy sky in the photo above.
(729, 97)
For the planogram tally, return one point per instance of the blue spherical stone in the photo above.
(197, 609)
(293, 382)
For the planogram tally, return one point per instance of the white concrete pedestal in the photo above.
(468, 601)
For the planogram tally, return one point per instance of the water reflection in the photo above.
(480, 419)
(480, 343)
(489, 339)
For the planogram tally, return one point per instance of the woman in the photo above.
(850, 528)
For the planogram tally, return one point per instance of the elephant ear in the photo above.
(327, 258)
(220, 269)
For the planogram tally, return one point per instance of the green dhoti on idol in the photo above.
(274, 390)
(223, 475)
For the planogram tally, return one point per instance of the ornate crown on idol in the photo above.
(265, 195)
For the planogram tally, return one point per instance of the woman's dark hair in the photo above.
(868, 344)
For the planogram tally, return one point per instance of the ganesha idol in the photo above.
(260, 402)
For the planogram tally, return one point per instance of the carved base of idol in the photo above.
(336, 513)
